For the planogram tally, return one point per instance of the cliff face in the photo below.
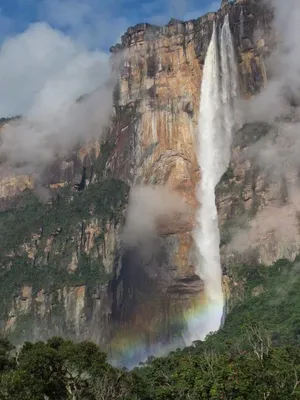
(161, 78)
(108, 293)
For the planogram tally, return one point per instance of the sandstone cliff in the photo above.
(106, 293)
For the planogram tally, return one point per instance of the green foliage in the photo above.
(61, 370)
(279, 303)
(106, 150)
(5, 361)
(227, 175)
(225, 233)
(5, 120)
(255, 373)
(256, 355)
(246, 359)
(251, 133)
(271, 295)
(62, 219)
(102, 200)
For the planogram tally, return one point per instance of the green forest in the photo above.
(256, 355)
(59, 369)
(95, 270)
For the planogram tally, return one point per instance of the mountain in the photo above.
(64, 267)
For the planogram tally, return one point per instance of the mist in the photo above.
(277, 153)
(37, 140)
(283, 66)
(275, 223)
(43, 72)
(148, 207)
(279, 102)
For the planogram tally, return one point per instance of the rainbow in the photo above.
(132, 347)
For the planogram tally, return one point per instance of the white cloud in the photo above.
(47, 67)
(283, 67)
(68, 12)
(44, 69)
(92, 22)
(149, 205)
(42, 73)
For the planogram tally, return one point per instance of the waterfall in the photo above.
(242, 23)
(230, 89)
(219, 91)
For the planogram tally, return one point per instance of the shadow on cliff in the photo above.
(149, 301)
(137, 279)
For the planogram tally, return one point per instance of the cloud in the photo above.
(149, 206)
(44, 68)
(6, 26)
(96, 24)
(283, 66)
(42, 73)
(279, 102)
(32, 143)
(278, 152)
(274, 231)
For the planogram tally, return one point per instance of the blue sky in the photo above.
(98, 23)
(52, 51)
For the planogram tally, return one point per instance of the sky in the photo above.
(98, 23)
(52, 51)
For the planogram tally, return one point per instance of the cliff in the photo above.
(64, 268)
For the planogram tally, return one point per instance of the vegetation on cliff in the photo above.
(256, 355)
(39, 238)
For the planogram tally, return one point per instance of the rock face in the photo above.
(151, 141)
(259, 204)
(160, 78)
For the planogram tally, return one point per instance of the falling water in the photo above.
(242, 23)
(216, 122)
(210, 156)
(230, 89)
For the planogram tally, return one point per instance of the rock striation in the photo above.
(151, 141)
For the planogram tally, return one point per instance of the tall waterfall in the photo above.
(230, 89)
(242, 23)
(216, 123)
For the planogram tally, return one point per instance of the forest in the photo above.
(61, 370)
(256, 355)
